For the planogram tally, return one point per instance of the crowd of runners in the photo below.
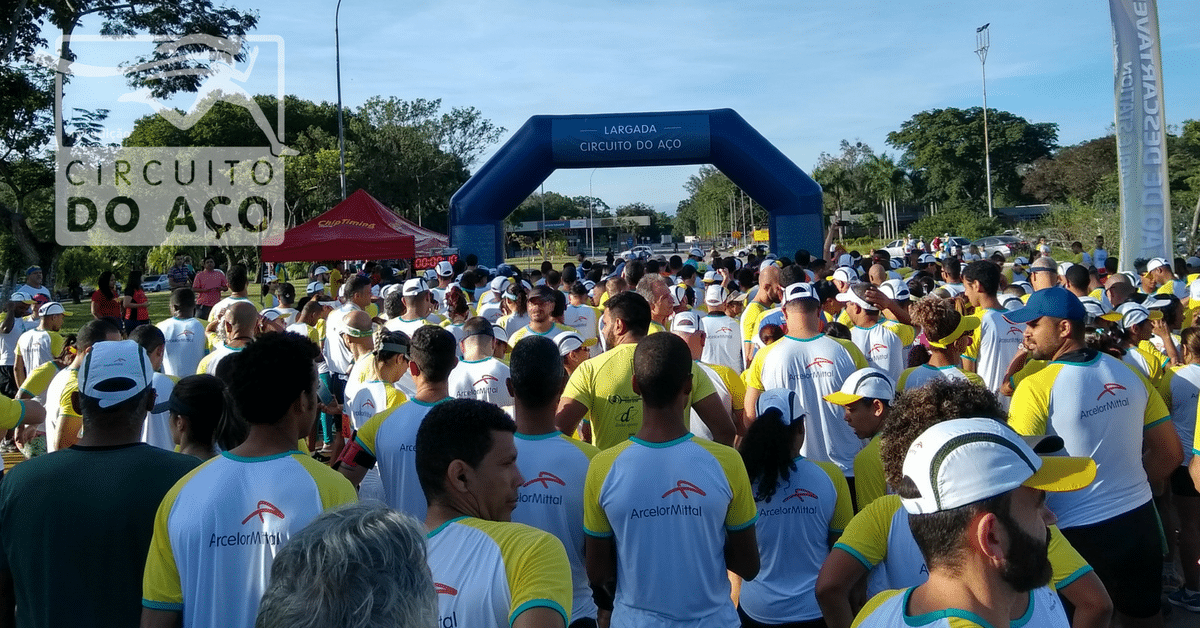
(820, 440)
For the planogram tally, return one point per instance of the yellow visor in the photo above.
(1060, 474)
(966, 324)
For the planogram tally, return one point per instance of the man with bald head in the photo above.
(767, 296)
(1043, 273)
(239, 322)
(877, 275)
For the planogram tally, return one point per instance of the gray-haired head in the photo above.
(361, 566)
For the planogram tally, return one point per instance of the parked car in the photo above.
(895, 248)
(154, 283)
(1008, 246)
(642, 251)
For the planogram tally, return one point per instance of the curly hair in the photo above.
(767, 452)
(916, 409)
(937, 317)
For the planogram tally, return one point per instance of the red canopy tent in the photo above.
(359, 227)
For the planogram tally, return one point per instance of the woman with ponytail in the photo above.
(948, 333)
(802, 508)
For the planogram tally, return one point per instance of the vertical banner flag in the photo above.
(1141, 132)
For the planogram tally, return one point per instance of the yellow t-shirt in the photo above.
(604, 385)
(38, 380)
(869, 484)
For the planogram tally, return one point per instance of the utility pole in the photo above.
(982, 41)
(337, 56)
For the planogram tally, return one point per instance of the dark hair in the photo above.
(767, 452)
(687, 272)
(536, 369)
(471, 259)
(634, 270)
(358, 283)
(633, 309)
(560, 304)
(662, 364)
(390, 336)
(238, 278)
(103, 287)
(270, 374)
(95, 331)
(986, 273)
(459, 429)
(433, 352)
(393, 304)
(1078, 277)
(287, 293)
(952, 266)
(133, 283)
(771, 332)
(183, 298)
(201, 398)
(835, 329)
(149, 337)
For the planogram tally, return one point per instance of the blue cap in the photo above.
(1057, 302)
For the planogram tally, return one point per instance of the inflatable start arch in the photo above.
(719, 137)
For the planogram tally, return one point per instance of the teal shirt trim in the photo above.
(1075, 575)
(669, 443)
(432, 533)
(260, 458)
(803, 339)
(855, 553)
(430, 404)
(162, 606)
(1162, 420)
(929, 618)
(598, 535)
(540, 603)
(547, 436)
(744, 525)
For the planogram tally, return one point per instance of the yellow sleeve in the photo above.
(539, 574)
(1029, 412)
(1164, 386)
(56, 343)
(874, 603)
(906, 333)
(1031, 367)
(1153, 354)
(972, 351)
(866, 535)
(202, 366)
(974, 379)
(733, 383)
(869, 484)
(860, 361)
(749, 322)
(66, 403)
(702, 386)
(742, 511)
(161, 588)
(39, 379)
(843, 512)
(1156, 408)
(365, 436)
(904, 378)
(595, 520)
(12, 412)
(1068, 565)
(333, 487)
(753, 375)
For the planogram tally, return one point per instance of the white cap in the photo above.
(320, 270)
(1010, 302)
(850, 296)
(52, 308)
(1021, 261)
(927, 258)
(20, 297)
(1024, 285)
(896, 290)
(869, 382)
(271, 314)
(1156, 301)
(389, 289)
(687, 322)
(1193, 262)
(414, 287)
(786, 401)
(1132, 313)
(767, 263)
(1193, 292)
(1156, 263)
(500, 283)
(568, 342)
(799, 290)
(695, 253)
(500, 333)
(1094, 308)
(678, 294)
(963, 461)
(710, 276)
(589, 285)
(715, 294)
(444, 269)
(894, 263)
(1063, 267)
(845, 274)
(429, 274)
(845, 260)
(114, 371)
(270, 278)
(315, 287)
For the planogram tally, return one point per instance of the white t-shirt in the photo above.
(156, 430)
(994, 346)
(34, 346)
(490, 311)
(882, 347)
(208, 364)
(219, 308)
(391, 439)
(1185, 394)
(813, 368)
(186, 345)
(697, 425)
(33, 292)
(555, 468)
(337, 354)
(8, 342)
(887, 610)
(408, 326)
(585, 320)
(219, 528)
(723, 342)
(485, 380)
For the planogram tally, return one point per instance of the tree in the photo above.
(715, 206)
(1076, 172)
(845, 179)
(946, 145)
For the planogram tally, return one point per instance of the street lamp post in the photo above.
(982, 40)
(591, 213)
(337, 56)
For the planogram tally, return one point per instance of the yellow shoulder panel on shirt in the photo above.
(974, 379)
(588, 449)
(1068, 565)
(742, 511)
(12, 412)
(161, 588)
(873, 604)
(753, 375)
(843, 511)
(38, 380)
(595, 520)
(869, 484)
(366, 434)
(535, 564)
(733, 383)
(702, 386)
(866, 535)
(332, 486)
(1029, 412)
(860, 361)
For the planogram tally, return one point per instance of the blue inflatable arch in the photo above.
(719, 137)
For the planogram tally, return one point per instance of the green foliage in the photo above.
(82, 264)
(946, 145)
(957, 222)
(1073, 221)
(715, 205)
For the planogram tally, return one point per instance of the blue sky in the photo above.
(805, 74)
